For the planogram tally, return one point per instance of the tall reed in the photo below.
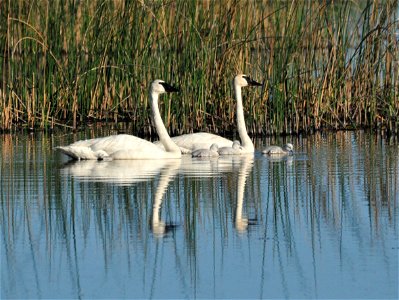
(325, 64)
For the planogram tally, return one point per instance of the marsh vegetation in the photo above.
(324, 64)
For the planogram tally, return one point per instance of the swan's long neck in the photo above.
(246, 141)
(163, 134)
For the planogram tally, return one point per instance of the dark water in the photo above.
(320, 224)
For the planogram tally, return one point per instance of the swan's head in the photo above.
(236, 145)
(244, 80)
(214, 147)
(159, 86)
(289, 147)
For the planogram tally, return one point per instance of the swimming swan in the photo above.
(211, 152)
(200, 140)
(126, 146)
(236, 149)
(276, 150)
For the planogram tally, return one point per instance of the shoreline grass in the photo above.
(325, 64)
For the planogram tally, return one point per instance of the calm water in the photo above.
(320, 224)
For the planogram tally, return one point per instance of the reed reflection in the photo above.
(327, 216)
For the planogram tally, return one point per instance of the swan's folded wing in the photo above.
(121, 146)
(81, 152)
(200, 140)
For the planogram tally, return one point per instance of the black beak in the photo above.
(168, 88)
(252, 82)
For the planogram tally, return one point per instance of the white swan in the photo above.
(277, 150)
(200, 140)
(236, 149)
(211, 152)
(127, 146)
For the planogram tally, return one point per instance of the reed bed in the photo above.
(324, 64)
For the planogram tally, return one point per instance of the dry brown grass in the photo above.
(325, 64)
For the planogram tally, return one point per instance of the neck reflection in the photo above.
(246, 164)
(158, 226)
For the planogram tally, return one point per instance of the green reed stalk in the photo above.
(324, 64)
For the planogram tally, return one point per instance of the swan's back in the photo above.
(235, 149)
(200, 140)
(211, 152)
(121, 146)
(271, 150)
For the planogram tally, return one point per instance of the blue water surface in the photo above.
(322, 223)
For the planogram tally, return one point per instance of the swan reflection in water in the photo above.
(208, 166)
(246, 164)
(130, 172)
(159, 228)
(214, 167)
(122, 172)
(288, 160)
(205, 167)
